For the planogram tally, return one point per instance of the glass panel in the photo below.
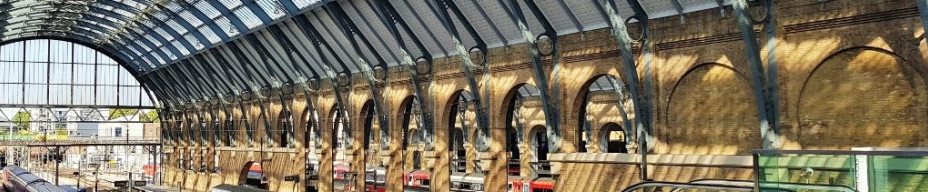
(231, 4)
(180, 47)
(190, 18)
(863, 170)
(11, 77)
(176, 26)
(61, 74)
(210, 35)
(226, 26)
(207, 9)
(60, 94)
(305, 3)
(248, 17)
(273, 8)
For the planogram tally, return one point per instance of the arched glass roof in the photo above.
(188, 50)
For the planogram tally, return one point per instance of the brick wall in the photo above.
(851, 73)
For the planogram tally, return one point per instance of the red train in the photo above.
(418, 181)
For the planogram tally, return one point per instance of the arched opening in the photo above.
(524, 110)
(539, 146)
(311, 140)
(707, 100)
(285, 124)
(252, 175)
(863, 97)
(612, 139)
(342, 143)
(412, 149)
(603, 100)
(462, 121)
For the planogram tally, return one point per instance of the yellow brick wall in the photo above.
(851, 73)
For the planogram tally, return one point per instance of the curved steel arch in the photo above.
(125, 39)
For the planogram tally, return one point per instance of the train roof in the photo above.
(233, 188)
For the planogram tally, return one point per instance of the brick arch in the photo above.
(709, 100)
(405, 118)
(369, 118)
(883, 102)
(310, 128)
(580, 105)
(447, 111)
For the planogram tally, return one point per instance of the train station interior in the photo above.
(464, 95)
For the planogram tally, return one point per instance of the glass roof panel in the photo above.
(160, 15)
(207, 9)
(273, 8)
(210, 35)
(248, 17)
(226, 26)
(193, 40)
(180, 47)
(305, 3)
(163, 33)
(231, 4)
(189, 17)
(173, 6)
(177, 27)
(152, 39)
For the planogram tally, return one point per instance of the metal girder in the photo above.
(224, 11)
(352, 33)
(624, 41)
(391, 18)
(99, 27)
(218, 73)
(764, 85)
(679, 8)
(427, 29)
(239, 55)
(219, 84)
(284, 43)
(549, 103)
(198, 83)
(367, 23)
(496, 31)
(441, 9)
(270, 64)
(231, 70)
(186, 24)
(923, 13)
(265, 57)
(204, 19)
(319, 43)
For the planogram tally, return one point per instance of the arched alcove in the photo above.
(612, 139)
(710, 100)
(862, 97)
(602, 100)
(461, 122)
(252, 174)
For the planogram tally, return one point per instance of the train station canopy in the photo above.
(212, 48)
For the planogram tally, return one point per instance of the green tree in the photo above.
(22, 119)
(152, 116)
(117, 113)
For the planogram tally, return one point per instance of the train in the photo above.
(418, 181)
(16, 178)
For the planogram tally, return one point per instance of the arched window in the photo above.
(604, 101)
(461, 120)
(286, 129)
(613, 139)
(411, 128)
